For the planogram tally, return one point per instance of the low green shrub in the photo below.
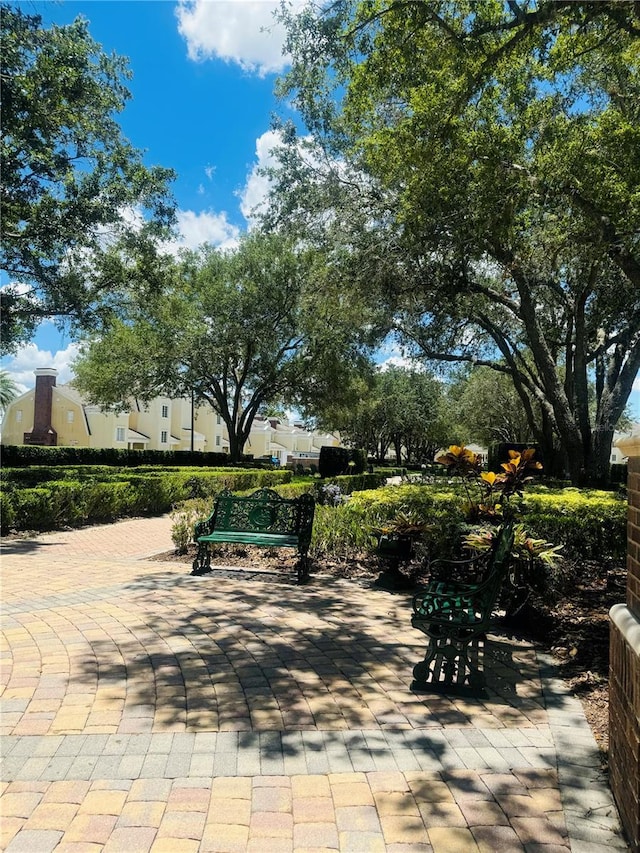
(31, 509)
(587, 524)
(35, 475)
(183, 522)
(7, 513)
(349, 527)
(100, 493)
(105, 501)
(294, 490)
(21, 455)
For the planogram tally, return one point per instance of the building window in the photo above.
(163, 437)
(217, 441)
(165, 411)
(18, 416)
(69, 416)
(218, 420)
(119, 433)
(614, 458)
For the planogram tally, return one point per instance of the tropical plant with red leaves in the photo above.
(488, 493)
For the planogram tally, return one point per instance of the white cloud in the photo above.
(28, 358)
(253, 196)
(240, 31)
(18, 287)
(205, 227)
(636, 384)
(403, 362)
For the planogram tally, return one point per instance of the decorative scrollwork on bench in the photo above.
(263, 518)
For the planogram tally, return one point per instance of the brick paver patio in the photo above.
(144, 709)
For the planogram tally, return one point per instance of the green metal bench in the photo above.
(455, 615)
(263, 518)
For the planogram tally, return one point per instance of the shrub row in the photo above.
(347, 484)
(17, 456)
(107, 493)
(57, 503)
(588, 524)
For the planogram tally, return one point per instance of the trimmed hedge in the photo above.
(588, 524)
(18, 456)
(99, 496)
(348, 483)
(336, 461)
(35, 475)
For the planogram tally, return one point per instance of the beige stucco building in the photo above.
(56, 415)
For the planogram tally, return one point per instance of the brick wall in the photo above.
(633, 554)
(624, 678)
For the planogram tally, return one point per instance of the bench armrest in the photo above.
(203, 528)
(464, 598)
(207, 525)
(442, 596)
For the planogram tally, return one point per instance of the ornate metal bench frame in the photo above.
(263, 518)
(455, 616)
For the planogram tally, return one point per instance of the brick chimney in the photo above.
(43, 432)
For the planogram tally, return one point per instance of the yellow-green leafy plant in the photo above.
(489, 493)
(490, 501)
(525, 547)
(405, 522)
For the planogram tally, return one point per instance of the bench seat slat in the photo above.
(278, 540)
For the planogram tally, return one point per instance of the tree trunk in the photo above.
(236, 446)
(599, 459)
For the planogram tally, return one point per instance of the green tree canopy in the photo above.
(72, 185)
(242, 330)
(478, 162)
(489, 409)
(397, 408)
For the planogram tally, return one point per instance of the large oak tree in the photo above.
(72, 186)
(241, 329)
(478, 163)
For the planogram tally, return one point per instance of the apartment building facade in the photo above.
(56, 415)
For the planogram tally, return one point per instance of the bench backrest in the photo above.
(264, 511)
(497, 566)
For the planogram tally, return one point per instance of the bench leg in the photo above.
(303, 567)
(451, 665)
(202, 562)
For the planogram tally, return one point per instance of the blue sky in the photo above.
(202, 102)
